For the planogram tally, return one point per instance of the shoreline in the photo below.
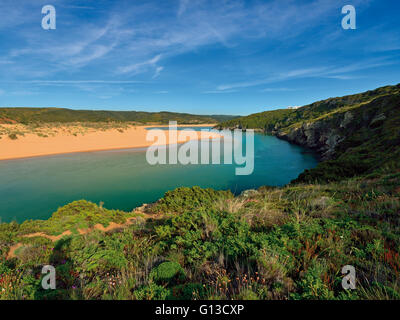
(32, 146)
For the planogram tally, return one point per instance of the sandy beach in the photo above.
(62, 141)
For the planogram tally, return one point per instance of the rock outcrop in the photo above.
(325, 134)
(316, 136)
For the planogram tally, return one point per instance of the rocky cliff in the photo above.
(325, 134)
(355, 134)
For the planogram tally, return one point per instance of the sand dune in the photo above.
(32, 145)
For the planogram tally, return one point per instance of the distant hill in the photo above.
(274, 243)
(356, 134)
(222, 118)
(32, 115)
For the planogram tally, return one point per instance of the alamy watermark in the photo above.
(349, 280)
(49, 20)
(49, 280)
(349, 20)
(201, 146)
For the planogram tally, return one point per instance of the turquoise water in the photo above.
(34, 188)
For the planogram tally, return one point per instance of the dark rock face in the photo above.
(326, 134)
(321, 136)
(378, 120)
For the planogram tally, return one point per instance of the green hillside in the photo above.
(284, 118)
(285, 243)
(356, 134)
(271, 243)
(35, 115)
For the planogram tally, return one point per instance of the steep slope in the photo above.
(355, 135)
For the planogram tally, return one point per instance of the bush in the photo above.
(186, 199)
(151, 292)
(247, 294)
(167, 272)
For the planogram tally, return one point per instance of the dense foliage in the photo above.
(272, 243)
(186, 199)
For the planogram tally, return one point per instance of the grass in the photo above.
(273, 243)
(46, 130)
(282, 243)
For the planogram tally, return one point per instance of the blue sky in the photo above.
(196, 56)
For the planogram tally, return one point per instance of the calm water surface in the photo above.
(34, 188)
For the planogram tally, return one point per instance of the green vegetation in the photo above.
(186, 199)
(266, 120)
(59, 115)
(284, 118)
(356, 134)
(13, 136)
(272, 243)
(51, 129)
(76, 215)
(167, 272)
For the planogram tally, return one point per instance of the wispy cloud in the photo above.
(219, 91)
(279, 89)
(135, 32)
(182, 6)
(104, 48)
(78, 7)
(318, 72)
(141, 66)
(158, 72)
(73, 82)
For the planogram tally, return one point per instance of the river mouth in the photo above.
(34, 188)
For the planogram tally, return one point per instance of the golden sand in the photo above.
(62, 141)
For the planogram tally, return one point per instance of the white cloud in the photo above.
(131, 38)
(134, 32)
(335, 72)
(219, 91)
(157, 72)
(278, 89)
(74, 82)
(141, 66)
